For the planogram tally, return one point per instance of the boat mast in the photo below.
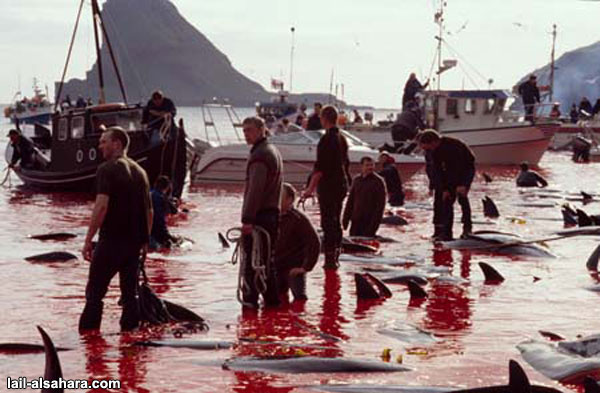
(439, 17)
(552, 63)
(110, 51)
(95, 12)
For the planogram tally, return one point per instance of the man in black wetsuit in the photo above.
(411, 88)
(123, 214)
(393, 183)
(23, 149)
(454, 163)
(298, 247)
(407, 125)
(261, 209)
(530, 94)
(331, 179)
(314, 120)
(529, 178)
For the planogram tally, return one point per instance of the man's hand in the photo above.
(87, 250)
(446, 195)
(462, 190)
(247, 229)
(297, 271)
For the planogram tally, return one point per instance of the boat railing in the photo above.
(211, 126)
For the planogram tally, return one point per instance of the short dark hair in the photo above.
(524, 166)
(119, 134)
(255, 121)
(318, 104)
(366, 159)
(285, 120)
(428, 136)
(289, 190)
(330, 113)
(162, 183)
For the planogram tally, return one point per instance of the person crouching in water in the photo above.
(331, 178)
(529, 178)
(298, 247)
(160, 236)
(366, 202)
(393, 183)
(454, 163)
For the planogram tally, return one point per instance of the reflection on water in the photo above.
(478, 324)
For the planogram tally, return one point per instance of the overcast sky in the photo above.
(372, 46)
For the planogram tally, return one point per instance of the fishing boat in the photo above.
(24, 110)
(480, 118)
(66, 154)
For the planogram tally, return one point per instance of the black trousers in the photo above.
(529, 112)
(269, 221)
(438, 207)
(110, 258)
(297, 284)
(330, 206)
(447, 213)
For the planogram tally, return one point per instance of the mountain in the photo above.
(576, 75)
(156, 48)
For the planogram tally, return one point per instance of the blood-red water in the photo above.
(479, 325)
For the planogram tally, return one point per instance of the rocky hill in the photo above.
(576, 75)
(157, 48)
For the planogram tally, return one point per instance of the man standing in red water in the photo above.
(331, 179)
(123, 214)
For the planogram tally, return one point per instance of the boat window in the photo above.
(451, 107)
(63, 129)
(489, 105)
(128, 120)
(470, 106)
(500, 106)
(77, 127)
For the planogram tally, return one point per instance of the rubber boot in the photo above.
(467, 230)
(438, 231)
(91, 317)
(331, 260)
(130, 317)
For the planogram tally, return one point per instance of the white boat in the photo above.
(227, 163)
(36, 109)
(478, 118)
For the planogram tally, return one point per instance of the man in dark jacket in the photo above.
(160, 237)
(454, 163)
(435, 190)
(297, 248)
(123, 215)
(261, 209)
(411, 88)
(331, 179)
(23, 149)
(157, 110)
(314, 120)
(393, 183)
(586, 110)
(366, 201)
(407, 125)
(530, 94)
(529, 178)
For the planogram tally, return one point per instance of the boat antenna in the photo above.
(552, 62)
(110, 50)
(293, 30)
(62, 79)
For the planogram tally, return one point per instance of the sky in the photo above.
(370, 47)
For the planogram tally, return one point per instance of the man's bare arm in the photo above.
(98, 215)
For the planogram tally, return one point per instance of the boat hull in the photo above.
(509, 145)
(31, 118)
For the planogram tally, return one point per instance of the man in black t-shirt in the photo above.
(331, 179)
(314, 120)
(123, 215)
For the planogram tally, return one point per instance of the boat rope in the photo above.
(258, 259)
(7, 177)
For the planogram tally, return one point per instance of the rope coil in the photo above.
(258, 260)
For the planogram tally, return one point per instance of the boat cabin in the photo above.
(279, 108)
(76, 133)
(465, 109)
